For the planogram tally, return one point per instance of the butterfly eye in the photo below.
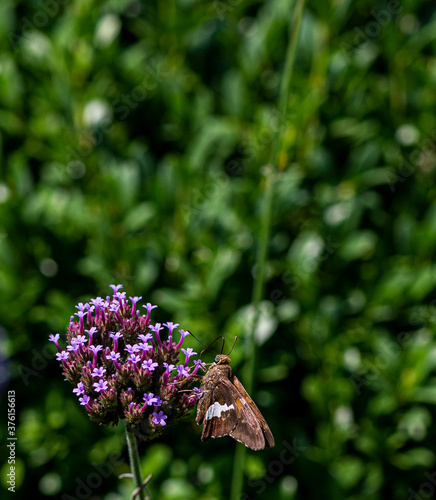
(217, 358)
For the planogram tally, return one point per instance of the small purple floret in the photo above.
(101, 385)
(159, 418)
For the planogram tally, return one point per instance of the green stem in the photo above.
(285, 85)
(262, 254)
(135, 465)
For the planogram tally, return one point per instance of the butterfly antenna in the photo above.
(192, 335)
(211, 344)
(200, 342)
(234, 343)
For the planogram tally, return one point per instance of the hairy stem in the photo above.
(135, 465)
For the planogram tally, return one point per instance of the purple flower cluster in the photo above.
(121, 368)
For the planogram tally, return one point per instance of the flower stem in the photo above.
(262, 254)
(135, 465)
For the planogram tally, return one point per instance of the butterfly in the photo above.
(226, 409)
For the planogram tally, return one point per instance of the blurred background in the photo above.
(134, 137)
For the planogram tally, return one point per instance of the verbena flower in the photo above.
(122, 368)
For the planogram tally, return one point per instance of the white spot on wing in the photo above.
(216, 409)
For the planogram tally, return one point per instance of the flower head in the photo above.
(123, 367)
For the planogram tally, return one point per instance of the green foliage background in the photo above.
(134, 137)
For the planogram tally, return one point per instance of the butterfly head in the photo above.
(222, 359)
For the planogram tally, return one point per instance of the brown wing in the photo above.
(203, 404)
(224, 411)
(267, 434)
(217, 411)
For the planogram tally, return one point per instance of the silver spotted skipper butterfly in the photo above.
(226, 409)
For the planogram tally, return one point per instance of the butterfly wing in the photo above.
(268, 439)
(217, 410)
(225, 412)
